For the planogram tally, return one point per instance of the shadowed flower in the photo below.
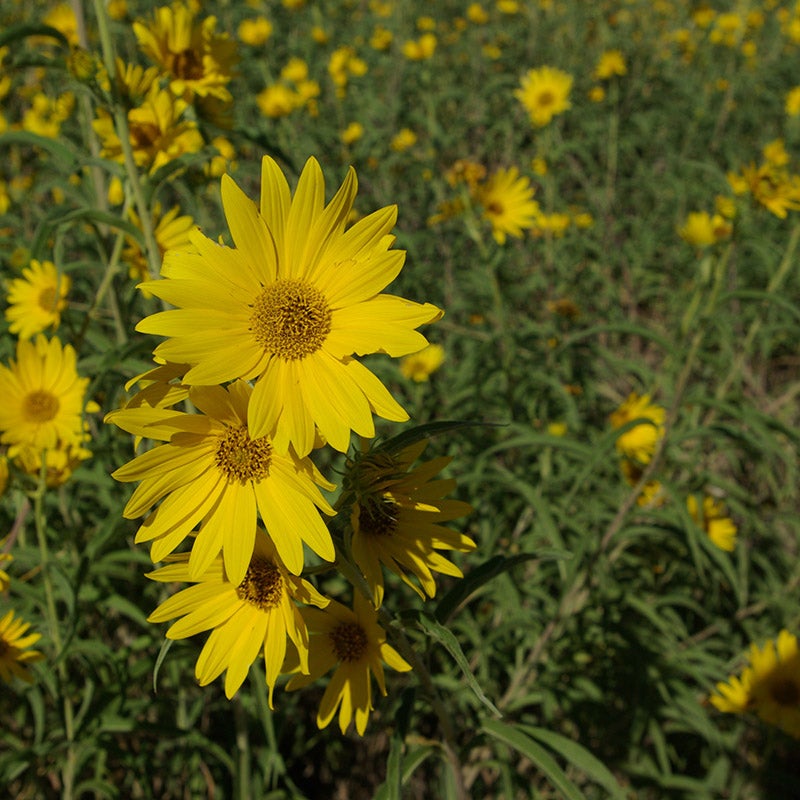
(15, 652)
(355, 644)
(769, 686)
(397, 519)
(212, 471)
(289, 307)
(257, 614)
(36, 300)
(719, 528)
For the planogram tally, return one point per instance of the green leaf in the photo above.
(428, 431)
(579, 757)
(517, 740)
(162, 654)
(482, 574)
(446, 638)
(22, 30)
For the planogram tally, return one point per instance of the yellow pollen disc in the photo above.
(40, 406)
(349, 641)
(47, 299)
(378, 518)
(262, 585)
(785, 692)
(242, 458)
(290, 319)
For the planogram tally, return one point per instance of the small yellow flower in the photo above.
(557, 429)
(420, 49)
(508, 6)
(721, 530)
(403, 140)
(508, 204)
(381, 38)
(117, 9)
(597, 94)
(36, 300)
(725, 206)
(15, 652)
(418, 367)
(319, 34)
(775, 153)
(352, 133)
(295, 70)
(255, 31)
(792, 102)
(477, 14)
(638, 443)
(610, 64)
(5, 558)
(701, 229)
(277, 100)
(544, 92)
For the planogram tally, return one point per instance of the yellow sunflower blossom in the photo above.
(610, 64)
(420, 49)
(508, 204)
(769, 686)
(792, 102)
(418, 367)
(770, 186)
(46, 114)
(198, 59)
(720, 529)
(43, 397)
(355, 645)
(15, 652)
(544, 92)
(214, 472)
(255, 31)
(59, 462)
(158, 133)
(403, 140)
(36, 300)
(397, 516)
(638, 443)
(289, 307)
(702, 229)
(257, 614)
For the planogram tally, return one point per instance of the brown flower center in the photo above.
(290, 319)
(378, 518)
(262, 585)
(40, 406)
(242, 458)
(785, 692)
(47, 299)
(546, 98)
(187, 65)
(349, 641)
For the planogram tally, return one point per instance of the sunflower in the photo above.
(198, 60)
(769, 686)
(721, 530)
(259, 613)
(397, 516)
(36, 300)
(14, 648)
(544, 92)
(639, 442)
(289, 306)
(42, 397)
(213, 471)
(508, 204)
(354, 643)
(59, 462)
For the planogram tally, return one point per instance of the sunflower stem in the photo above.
(40, 523)
(243, 747)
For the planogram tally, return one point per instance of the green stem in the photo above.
(40, 523)
(243, 748)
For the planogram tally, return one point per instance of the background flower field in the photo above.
(603, 200)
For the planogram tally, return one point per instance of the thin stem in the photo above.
(243, 747)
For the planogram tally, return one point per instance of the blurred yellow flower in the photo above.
(420, 49)
(721, 530)
(15, 652)
(638, 443)
(46, 114)
(610, 63)
(772, 187)
(652, 494)
(255, 31)
(277, 100)
(792, 102)
(508, 204)
(352, 133)
(319, 34)
(768, 686)
(5, 558)
(557, 429)
(62, 18)
(701, 229)
(596, 94)
(477, 14)
(403, 140)
(36, 300)
(59, 462)
(544, 92)
(418, 367)
(775, 153)
(381, 38)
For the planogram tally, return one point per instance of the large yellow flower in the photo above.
(508, 204)
(290, 306)
(15, 652)
(36, 300)
(769, 686)
(544, 92)
(213, 471)
(42, 397)
(259, 613)
(198, 60)
(354, 643)
(639, 442)
(397, 518)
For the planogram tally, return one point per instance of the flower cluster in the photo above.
(263, 343)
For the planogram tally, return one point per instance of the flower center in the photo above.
(349, 641)
(290, 319)
(187, 65)
(262, 585)
(546, 98)
(785, 692)
(495, 209)
(242, 458)
(378, 518)
(47, 299)
(40, 406)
